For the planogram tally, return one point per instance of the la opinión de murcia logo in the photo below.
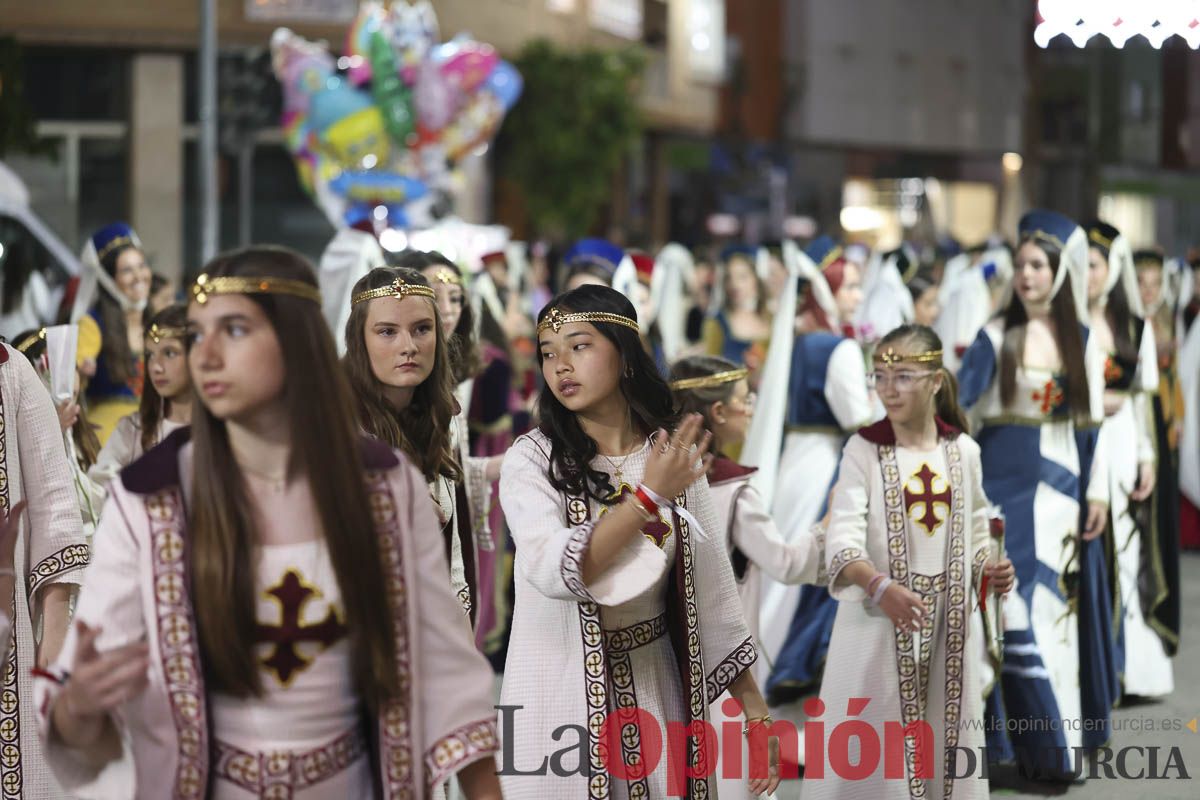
(633, 743)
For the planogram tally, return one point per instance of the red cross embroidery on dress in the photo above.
(655, 530)
(293, 594)
(1050, 397)
(927, 499)
(1112, 370)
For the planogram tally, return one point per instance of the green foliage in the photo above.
(577, 119)
(18, 131)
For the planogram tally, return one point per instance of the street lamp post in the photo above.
(209, 221)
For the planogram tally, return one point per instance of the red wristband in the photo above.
(644, 498)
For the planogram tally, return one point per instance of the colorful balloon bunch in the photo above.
(384, 125)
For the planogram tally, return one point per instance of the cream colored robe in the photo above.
(51, 548)
(137, 589)
(936, 676)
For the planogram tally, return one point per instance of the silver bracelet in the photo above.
(879, 590)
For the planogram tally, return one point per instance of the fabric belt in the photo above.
(928, 584)
(277, 775)
(624, 640)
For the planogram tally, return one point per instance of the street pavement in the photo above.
(1162, 724)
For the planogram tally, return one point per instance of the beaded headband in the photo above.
(447, 275)
(205, 287)
(159, 332)
(1048, 237)
(556, 319)
(1100, 239)
(398, 289)
(709, 381)
(32, 339)
(120, 241)
(890, 357)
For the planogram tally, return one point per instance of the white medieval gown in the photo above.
(921, 518)
(578, 651)
(307, 736)
(1130, 431)
(755, 549)
(51, 549)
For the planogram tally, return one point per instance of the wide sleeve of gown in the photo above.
(846, 541)
(121, 450)
(111, 598)
(1094, 359)
(979, 549)
(755, 534)
(550, 551)
(455, 691)
(846, 387)
(726, 645)
(1145, 387)
(57, 550)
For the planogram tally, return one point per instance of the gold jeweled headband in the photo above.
(556, 319)
(447, 275)
(398, 289)
(1099, 239)
(709, 381)
(32, 339)
(159, 332)
(120, 241)
(890, 357)
(1048, 237)
(205, 287)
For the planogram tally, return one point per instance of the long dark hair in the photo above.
(114, 346)
(421, 430)
(87, 443)
(700, 400)
(1120, 316)
(922, 339)
(1067, 332)
(326, 450)
(153, 408)
(464, 350)
(648, 396)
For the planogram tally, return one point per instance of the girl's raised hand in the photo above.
(673, 465)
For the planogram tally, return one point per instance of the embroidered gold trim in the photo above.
(120, 241)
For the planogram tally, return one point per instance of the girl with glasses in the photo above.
(906, 551)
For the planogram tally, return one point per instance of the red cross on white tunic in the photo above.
(927, 499)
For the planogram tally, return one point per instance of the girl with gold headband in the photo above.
(718, 390)
(399, 364)
(1033, 382)
(166, 403)
(624, 592)
(265, 614)
(79, 434)
(1131, 380)
(907, 548)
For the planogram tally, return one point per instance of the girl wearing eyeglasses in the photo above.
(906, 552)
